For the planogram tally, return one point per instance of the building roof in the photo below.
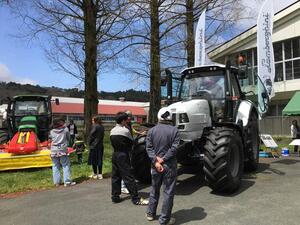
(103, 109)
(103, 102)
(247, 39)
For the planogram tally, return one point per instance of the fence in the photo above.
(277, 125)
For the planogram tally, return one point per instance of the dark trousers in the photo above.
(168, 179)
(295, 146)
(121, 170)
(72, 139)
(95, 167)
(79, 158)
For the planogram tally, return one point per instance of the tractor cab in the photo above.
(29, 112)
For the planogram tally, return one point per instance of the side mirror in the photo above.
(242, 72)
(163, 81)
(56, 101)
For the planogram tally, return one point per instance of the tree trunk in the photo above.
(155, 97)
(90, 64)
(190, 42)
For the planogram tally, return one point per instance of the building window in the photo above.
(296, 48)
(277, 51)
(278, 72)
(296, 68)
(288, 49)
(289, 70)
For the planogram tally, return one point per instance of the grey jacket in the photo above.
(162, 140)
(60, 139)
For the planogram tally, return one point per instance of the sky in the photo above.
(24, 61)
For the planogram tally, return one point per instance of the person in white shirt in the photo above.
(295, 133)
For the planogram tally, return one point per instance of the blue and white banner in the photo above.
(265, 54)
(200, 41)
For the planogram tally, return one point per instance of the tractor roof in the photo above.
(23, 97)
(206, 68)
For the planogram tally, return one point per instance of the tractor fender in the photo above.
(244, 111)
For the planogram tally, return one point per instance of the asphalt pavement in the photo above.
(269, 197)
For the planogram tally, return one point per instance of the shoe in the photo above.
(100, 177)
(67, 184)
(56, 185)
(171, 222)
(93, 176)
(124, 190)
(142, 201)
(116, 199)
(149, 217)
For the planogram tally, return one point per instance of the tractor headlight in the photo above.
(183, 118)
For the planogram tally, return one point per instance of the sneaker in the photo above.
(124, 190)
(67, 184)
(149, 217)
(142, 201)
(116, 199)
(93, 176)
(56, 185)
(100, 177)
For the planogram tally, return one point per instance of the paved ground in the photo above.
(270, 197)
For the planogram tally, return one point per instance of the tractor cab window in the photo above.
(207, 85)
(29, 108)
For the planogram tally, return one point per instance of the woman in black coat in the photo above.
(96, 148)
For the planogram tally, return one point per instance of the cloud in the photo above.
(252, 10)
(7, 76)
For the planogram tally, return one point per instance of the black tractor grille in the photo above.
(174, 119)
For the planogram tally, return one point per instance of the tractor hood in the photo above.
(191, 117)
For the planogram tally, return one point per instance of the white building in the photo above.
(286, 43)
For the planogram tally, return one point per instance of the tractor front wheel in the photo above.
(223, 160)
(140, 161)
(3, 137)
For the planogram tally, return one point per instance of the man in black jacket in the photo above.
(121, 141)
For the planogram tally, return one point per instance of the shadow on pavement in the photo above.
(187, 215)
(287, 161)
(190, 185)
(245, 184)
(193, 180)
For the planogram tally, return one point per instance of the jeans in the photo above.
(167, 179)
(57, 162)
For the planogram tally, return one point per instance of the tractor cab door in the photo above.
(233, 95)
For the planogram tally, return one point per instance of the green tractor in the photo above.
(27, 123)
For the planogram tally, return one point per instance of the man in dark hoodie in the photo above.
(60, 138)
(161, 145)
(121, 141)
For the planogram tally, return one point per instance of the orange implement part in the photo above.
(23, 143)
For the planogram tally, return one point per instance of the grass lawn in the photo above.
(33, 179)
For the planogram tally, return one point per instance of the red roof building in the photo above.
(73, 108)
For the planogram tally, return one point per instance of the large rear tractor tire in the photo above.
(223, 160)
(140, 161)
(252, 144)
(3, 137)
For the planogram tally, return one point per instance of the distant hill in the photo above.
(11, 89)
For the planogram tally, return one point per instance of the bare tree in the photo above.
(170, 26)
(77, 37)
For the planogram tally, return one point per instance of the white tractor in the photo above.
(218, 126)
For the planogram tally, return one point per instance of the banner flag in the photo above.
(200, 41)
(265, 55)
